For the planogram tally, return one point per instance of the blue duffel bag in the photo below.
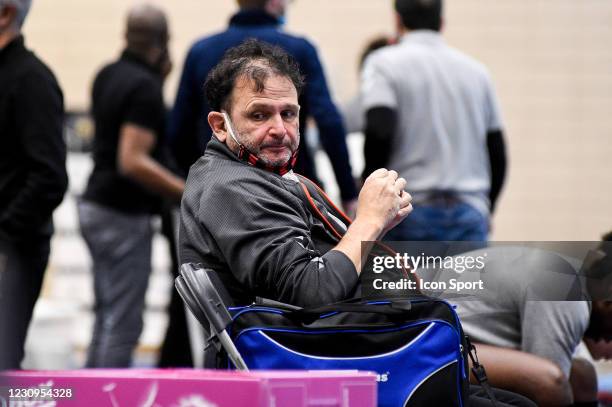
(416, 345)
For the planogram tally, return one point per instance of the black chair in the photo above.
(207, 299)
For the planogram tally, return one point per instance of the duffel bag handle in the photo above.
(395, 307)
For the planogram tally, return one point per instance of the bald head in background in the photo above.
(147, 35)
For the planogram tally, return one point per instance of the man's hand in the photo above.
(350, 208)
(381, 205)
(383, 201)
(405, 209)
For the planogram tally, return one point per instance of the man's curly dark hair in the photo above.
(254, 59)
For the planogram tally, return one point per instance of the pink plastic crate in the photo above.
(189, 388)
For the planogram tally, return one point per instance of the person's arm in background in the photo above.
(138, 138)
(379, 104)
(134, 161)
(532, 376)
(496, 147)
(380, 124)
(330, 125)
(497, 159)
(183, 123)
(552, 330)
(39, 114)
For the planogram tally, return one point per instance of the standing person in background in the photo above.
(431, 115)
(175, 350)
(127, 184)
(33, 177)
(261, 19)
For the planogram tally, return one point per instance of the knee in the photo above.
(533, 376)
(553, 388)
(583, 380)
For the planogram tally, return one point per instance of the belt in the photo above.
(439, 198)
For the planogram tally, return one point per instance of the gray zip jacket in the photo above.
(252, 227)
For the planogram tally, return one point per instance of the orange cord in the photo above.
(346, 218)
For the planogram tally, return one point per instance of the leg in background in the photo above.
(22, 268)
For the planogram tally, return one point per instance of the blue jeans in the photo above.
(456, 221)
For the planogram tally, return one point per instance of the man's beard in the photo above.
(278, 162)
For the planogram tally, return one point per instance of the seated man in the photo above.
(529, 321)
(246, 214)
(243, 212)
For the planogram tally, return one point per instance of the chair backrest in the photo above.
(205, 295)
(208, 300)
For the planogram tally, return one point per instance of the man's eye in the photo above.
(258, 116)
(289, 115)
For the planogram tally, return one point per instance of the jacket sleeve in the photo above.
(39, 118)
(329, 122)
(553, 329)
(267, 245)
(183, 123)
(496, 149)
(379, 131)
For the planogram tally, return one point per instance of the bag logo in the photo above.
(382, 377)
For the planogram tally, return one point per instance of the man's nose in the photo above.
(277, 126)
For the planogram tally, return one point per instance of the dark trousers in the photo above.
(176, 349)
(22, 268)
(478, 398)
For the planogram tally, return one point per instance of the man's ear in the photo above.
(7, 17)
(216, 121)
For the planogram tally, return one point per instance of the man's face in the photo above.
(7, 18)
(266, 122)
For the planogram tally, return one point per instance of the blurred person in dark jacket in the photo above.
(33, 177)
(127, 184)
(261, 19)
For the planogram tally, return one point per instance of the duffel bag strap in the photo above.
(266, 302)
(479, 372)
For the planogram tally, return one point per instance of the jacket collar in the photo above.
(16, 45)
(253, 17)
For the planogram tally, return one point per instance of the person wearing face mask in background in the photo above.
(261, 19)
(127, 184)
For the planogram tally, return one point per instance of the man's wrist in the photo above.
(366, 229)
